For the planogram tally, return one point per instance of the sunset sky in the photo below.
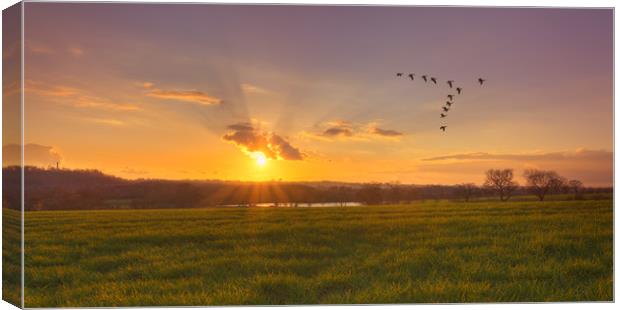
(310, 93)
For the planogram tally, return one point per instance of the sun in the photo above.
(260, 158)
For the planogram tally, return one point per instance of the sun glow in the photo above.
(260, 158)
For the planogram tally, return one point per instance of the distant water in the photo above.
(299, 205)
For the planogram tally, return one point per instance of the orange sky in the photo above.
(192, 91)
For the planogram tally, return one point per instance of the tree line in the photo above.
(65, 189)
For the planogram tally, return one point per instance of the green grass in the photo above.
(11, 256)
(423, 252)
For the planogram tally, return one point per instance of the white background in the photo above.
(548, 3)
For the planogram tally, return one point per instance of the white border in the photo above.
(505, 3)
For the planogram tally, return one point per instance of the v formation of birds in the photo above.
(451, 85)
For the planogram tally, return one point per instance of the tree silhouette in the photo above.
(543, 182)
(577, 188)
(467, 190)
(500, 182)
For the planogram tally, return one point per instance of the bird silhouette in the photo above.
(459, 90)
(450, 83)
(399, 74)
(450, 97)
(411, 76)
(443, 115)
(448, 103)
(481, 80)
(443, 128)
(424, 77)
(434, 80)
(445, 109)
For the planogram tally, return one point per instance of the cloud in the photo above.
(40, 48)
(105, 121)
(35, 47)
(76, 97)
(337, 128)
(101, 103)
(252, 139)
(34, 155)
(338, 131)
(345, 130)
(75, 51)
(193, 96)
(385, 132)
(577, 154)
(241, 127)
(593, 167)
(253, 89)
(49, 90)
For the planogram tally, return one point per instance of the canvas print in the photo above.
(205, 154)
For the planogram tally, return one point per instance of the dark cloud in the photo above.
(354, 131)
(285, 149)
(385, 132)
(338, 131)
(250, 140)
(241, 127)
(338, 128)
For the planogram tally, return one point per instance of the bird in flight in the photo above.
(411, 76)
(445, 109)
(448, 103)
(443, 128)
(450, 97)
(481, 80)
(424, 77)
(458, 90)
(434, 80)
(443, 115)
(450, 83)
(399, 74)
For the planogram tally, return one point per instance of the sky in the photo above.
(309, 93)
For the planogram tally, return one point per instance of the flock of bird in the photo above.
(451, 85)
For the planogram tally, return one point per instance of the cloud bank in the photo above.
(593, 167)
(577, 154)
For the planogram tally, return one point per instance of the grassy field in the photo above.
(423, 252)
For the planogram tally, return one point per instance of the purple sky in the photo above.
(549, 86)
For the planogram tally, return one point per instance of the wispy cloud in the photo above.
(250, 138)
(253, 89)
(192, 96)
(569, 155)
(102, 103)
(76, 97)
(75, 51)
(105, 121)
(35, 47)
(593, 167)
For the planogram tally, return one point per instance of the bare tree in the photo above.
(467, 190)
(500, 181)
(577, 187)
(543, 182)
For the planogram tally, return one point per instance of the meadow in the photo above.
(425, 252)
